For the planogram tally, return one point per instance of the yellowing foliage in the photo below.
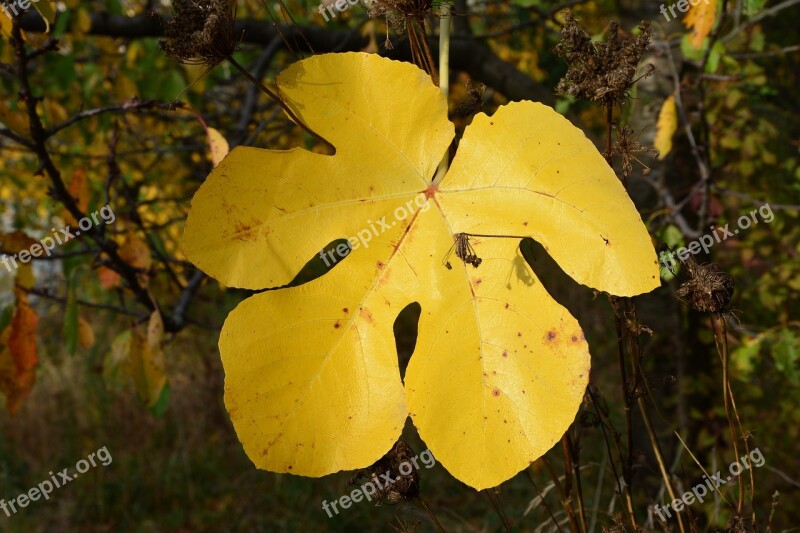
(499, 368)
(700, 19)
(218, 146)
(666, 127)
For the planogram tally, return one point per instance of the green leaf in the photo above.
(753, 7)
(745, 355)
(162, 403)
(787, 356)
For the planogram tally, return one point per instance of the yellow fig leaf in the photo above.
(666, 127)
(700, 19)
(312, 381)
(218, 146)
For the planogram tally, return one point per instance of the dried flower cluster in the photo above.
(405, 486)
(708, 289)
(201, 32)
(600, 72)
(399, 12)
(626, 146)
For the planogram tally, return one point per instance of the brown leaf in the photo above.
(18, 355)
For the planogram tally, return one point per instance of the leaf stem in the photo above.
(278, 100)
(444, 77)
(431, 514)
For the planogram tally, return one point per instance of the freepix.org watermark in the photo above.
(717, 235)
(46, 245)
(338, 6)
(14, 4)
(365, 235)
(371, 488)
(682, 5)
(710, 484)
(56, 481)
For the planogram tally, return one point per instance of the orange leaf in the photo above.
(108, 278)
(136, 252)
(700, 19)
(18, 356)
(78, 188)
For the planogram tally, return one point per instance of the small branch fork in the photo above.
(37, 143)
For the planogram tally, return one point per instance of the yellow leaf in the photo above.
(312, 380)
(83, 22)
(5, 27)
(666, 127)
(147, 366)
(700, 19)
(14, 243)
(85, 333)
(16, 121)
(218, 146)
(47, 11)
(125, 88)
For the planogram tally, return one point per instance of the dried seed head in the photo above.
(708, 289)
(398, 466)
(398, 12)
(600, 72)
(201, 32)
(626, 146)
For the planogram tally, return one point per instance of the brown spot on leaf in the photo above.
(507, 305)
(246, 232)
(380, 264)
(551, 335)
(505, 353)
(337, 325)
(346, 310)
(519, 334)
(366, 315)
(495, 392)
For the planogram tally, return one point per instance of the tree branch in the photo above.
(467, 55)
